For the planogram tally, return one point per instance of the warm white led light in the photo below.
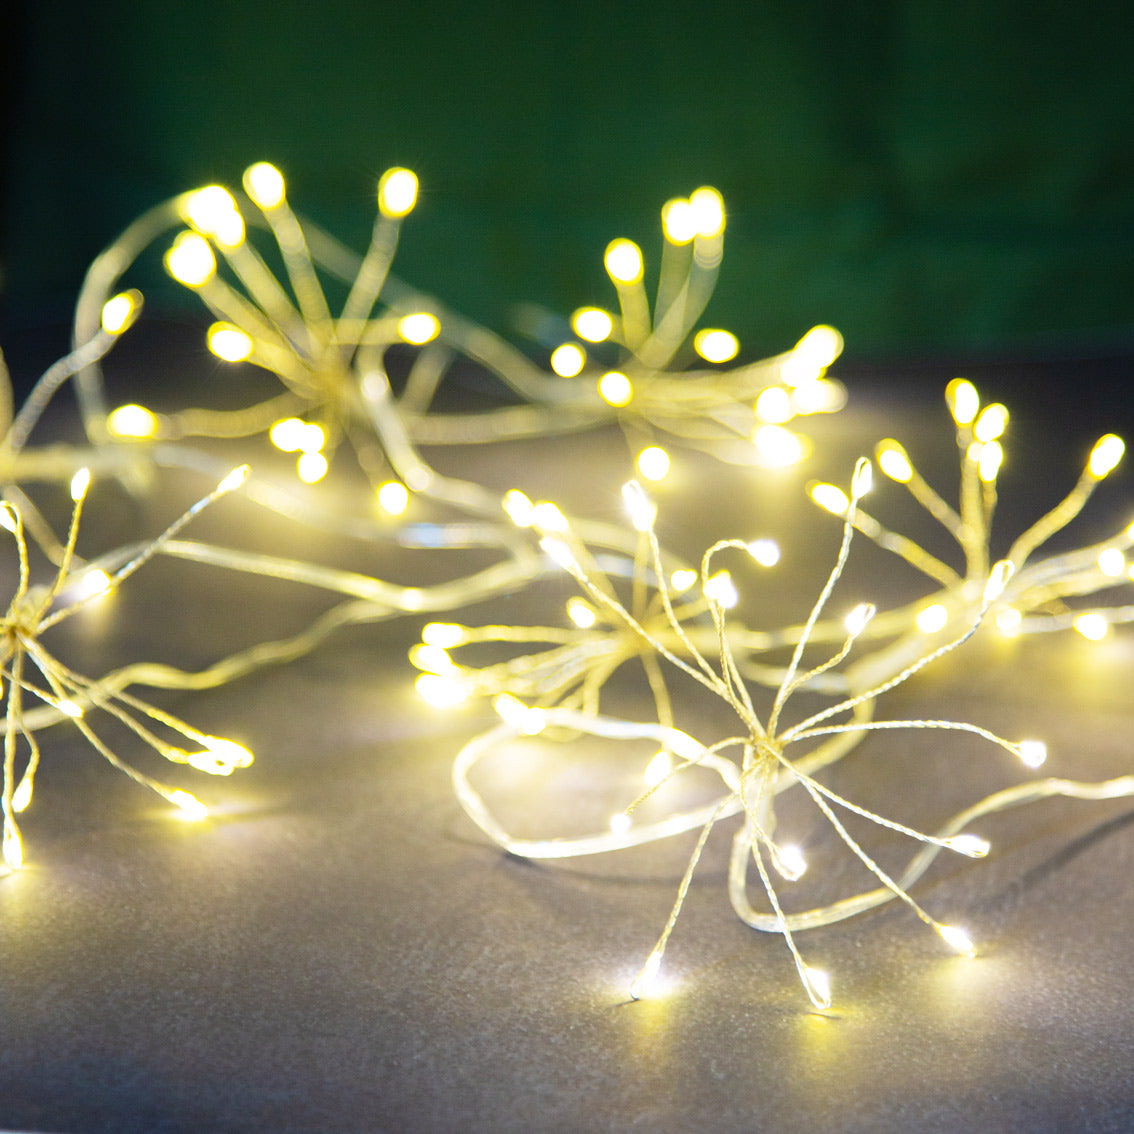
(1112, 562)
(567, 360)
(623, 261)
(397, 192)
(419, 327)
(765, 551)
(615, 388)
(707, 211)
(592, 324)
(653, 463)
(393, 497)
(1092, 625)
(131, 421)
(715, 345)
(777, 446)
(774, 405)
(120, 311)
(931, 619)
(264, 184)
(1033, 753)
(721, 590)
(311, 466)
(229, 343)
(191, 261)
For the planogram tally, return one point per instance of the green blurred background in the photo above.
(931, 176)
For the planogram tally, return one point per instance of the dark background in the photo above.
(934, 177)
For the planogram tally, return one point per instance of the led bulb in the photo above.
(653, 463)
(715, 345)
(620, 823)
(119, 312)
(80, 482)
(963, 400)
(419, 328)
(766, 552)
(1008, 621)
(131, 421)
(893, 462)
(1112, 562)
(658, 768)
(592, 324)
(13, 847)
(1032, 753)
(774, 405)
(397, 192)
(568, 359)
(393, 497)
(312, 466)
(581, 614)
(863, 479)
(819, 347)
(640, 986)
(818, 985)
(858, 619)
(234, 479)
(548, 518)
(931, 619)
(777, 446)
(615, 388)
(190, 261)
(288, 434)
(971, 846)
(228, 342)
(641, 508)
(264, 184)
(443, 634)
(720, 589)
(679, 222)
(991, 423)
(998, 578)
(191, 807)
(790, 862)
(1105, 455)
(1092, 625)
(989, 460)
(441, 692)
(519, 508)
(957, 939)
(623, 260)
(830, 497)
(682, 579)
(707, 209)
(22, 796)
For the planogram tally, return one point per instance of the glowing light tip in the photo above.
(190, 261)
(229, 343)
(264, 183)
(931, 619)
(440, 692)
(620, 823)
(640, 985)
(777, 446)
(658, 768)
(957, 938)
(397, 192)
(678, 221)
(592, 324)
(615, 388)
(80, 482)
(640, 506)
(774, 406)
(790, 862)
(1105, 455)
(1032, 753)
(519, 508)
(1112, 562)
(581, 614)
(234, 479)
(1092, 625)
(720, 589)
(418, 328)
(312, 466)
(190, 806)
(998, 579)
(833, 499)
(766, 552)
(971, 846)
(132, 421)
(13, 847)
(963, 400)
(119, 312)
(991, 423)
(706, 207)
(623, 261)
(653, 463)
(548, 518)
(393, 497)
(443, 634)
(715, 345)
(858, 619)
(893, 462)
(22, 796)
(818, 985)
(682, 579)
(524, 718)
(568, 360)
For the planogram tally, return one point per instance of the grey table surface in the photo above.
(339, 948)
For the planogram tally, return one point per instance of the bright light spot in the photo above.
(312, 467)
(963, 400)
(653, 463)
(443, 634)
(7, 516)
(820, 346)
(682, 579)
(991, 423)
(832, 498)
(989, 462)
(971, 846)
(523, 718)
(229, 751)
(558, 552)
(264, 184)
(70, 709)
(1105, 455)
(856, 621)
(313, 438)
(592, 324)
(190, 261)
(957, 939)
(234, 479)
(639, 505)
(93, 582)
(519, 508)
(790, 862)
(678, 221)
(641, 983)
(623, 261)
(766, 552)
(615, 388)
(22, 796)
(715, 345)
(720, 589)
(818, 396)
(658, 768)
(774, 406)
(397, 192)
(998, 579)
(1008, 621)
(1112, 562)
(1032, 752)
(131, 421)
(80, 482)
(13, 847)
(393, 497)
(620, 823)
(441, 692)
(567, 360)
(191, 806)
(892, 460)
(547, 517)
(229, 342)
(432, 659)
(818, 985)
(707, 209)
(288, 434)
(863, 479)
(120, 311)
(581, 614)
(931, 619)
(419, 328)
(778, 446)
(203, 208)
(1092, 625)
